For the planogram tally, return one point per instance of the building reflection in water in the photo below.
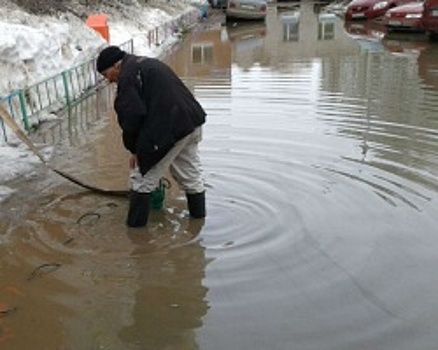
(205, 54)
(326, 26)
(290, 22)
(428, 66)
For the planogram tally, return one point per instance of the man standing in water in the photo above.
(161, 126)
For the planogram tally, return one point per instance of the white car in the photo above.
(246, 10)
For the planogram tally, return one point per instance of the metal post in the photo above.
(5, 136)
(24, 118)
(39, 96)
(66, 90)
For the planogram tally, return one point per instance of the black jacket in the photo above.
(154, 109)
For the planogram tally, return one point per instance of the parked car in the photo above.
(369, 9)
(218, 4)
(407, 17)
(246, 10)
(430, 17)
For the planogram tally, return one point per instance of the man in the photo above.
(161, 126)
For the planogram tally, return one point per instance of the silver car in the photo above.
(246, 10)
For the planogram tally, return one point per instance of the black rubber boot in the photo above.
(138, 209)
(196, 205)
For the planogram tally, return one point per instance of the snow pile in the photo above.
(16, 161)
(33, 48)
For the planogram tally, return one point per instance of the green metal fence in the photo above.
(30, 104)
(52, 94)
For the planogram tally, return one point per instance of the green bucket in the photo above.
(158, 195)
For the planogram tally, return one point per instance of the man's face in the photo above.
(112, 73)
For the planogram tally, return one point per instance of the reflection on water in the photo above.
(320, 155)
(112, 288)
(168, 310)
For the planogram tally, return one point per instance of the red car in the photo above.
(406, 17)
(430, 17)
(368, 9)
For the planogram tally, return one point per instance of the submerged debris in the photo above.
(43, 269)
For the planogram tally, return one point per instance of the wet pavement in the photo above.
(320, 156)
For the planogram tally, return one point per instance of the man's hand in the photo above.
(133, 161)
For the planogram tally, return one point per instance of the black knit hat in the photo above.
(108, 57)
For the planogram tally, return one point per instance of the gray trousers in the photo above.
(183, 162)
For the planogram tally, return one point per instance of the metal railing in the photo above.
(28, 105)
(67, 88)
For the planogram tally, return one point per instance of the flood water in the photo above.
(321, 160)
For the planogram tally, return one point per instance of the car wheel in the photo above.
(432, 35)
